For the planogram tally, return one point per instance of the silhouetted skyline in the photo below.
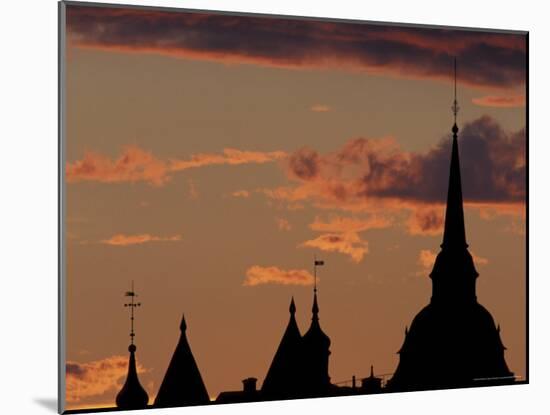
(452, 342)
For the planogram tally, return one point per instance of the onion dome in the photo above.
(132, 395)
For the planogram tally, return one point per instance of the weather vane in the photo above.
(455, 108)
(316, 263)
(132, 304)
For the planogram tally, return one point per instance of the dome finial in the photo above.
(132, 395)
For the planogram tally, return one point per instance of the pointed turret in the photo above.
(372, 384)
(454, 274)
(283, 377)
(132, 395)
(182, 384)
(316, 346)
(315, 335)
(454, 236)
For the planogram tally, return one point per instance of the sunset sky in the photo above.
(210, 157)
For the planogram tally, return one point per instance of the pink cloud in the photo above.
(426, 221)
(512, 101)
(320, 108)
(426, 259)
(95, 378)
(241, 193)
(137, 165)
(125, 240)
(258, 275)
(350, 224)
(283, 224)
(133, 165)
(348, 243)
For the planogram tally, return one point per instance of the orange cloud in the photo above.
(241, 193)
(133, 165)
(125, 240)
(230, 156)
(376, 176)
(426, 221)
(347, 224)
(489, 211)
(426, 259)
(478, 260)
(320, 108)
(95, 378)
(348, 243)
(283, 224)
(512, 101)
(138, 165)
(257, 275)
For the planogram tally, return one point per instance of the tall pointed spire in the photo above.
(454, 235)
(132, 395)
(182, 384)
(283, 379)
(315, 307)
(292, 307)
(453, 341)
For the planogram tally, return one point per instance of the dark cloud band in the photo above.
(486, 59)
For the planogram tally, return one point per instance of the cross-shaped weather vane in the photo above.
(316, 263)
(132, 304)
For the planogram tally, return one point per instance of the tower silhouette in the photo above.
(453, 341)
(315, 351)
(182, 384)
(283, 379)
(132, 395)
(299, 368)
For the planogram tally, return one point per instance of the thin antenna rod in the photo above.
(455, 106)
(455, 79)
(314, 273)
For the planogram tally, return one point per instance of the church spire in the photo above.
(282, 380)
(454, 235)
(182, 384)
(132, 395)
